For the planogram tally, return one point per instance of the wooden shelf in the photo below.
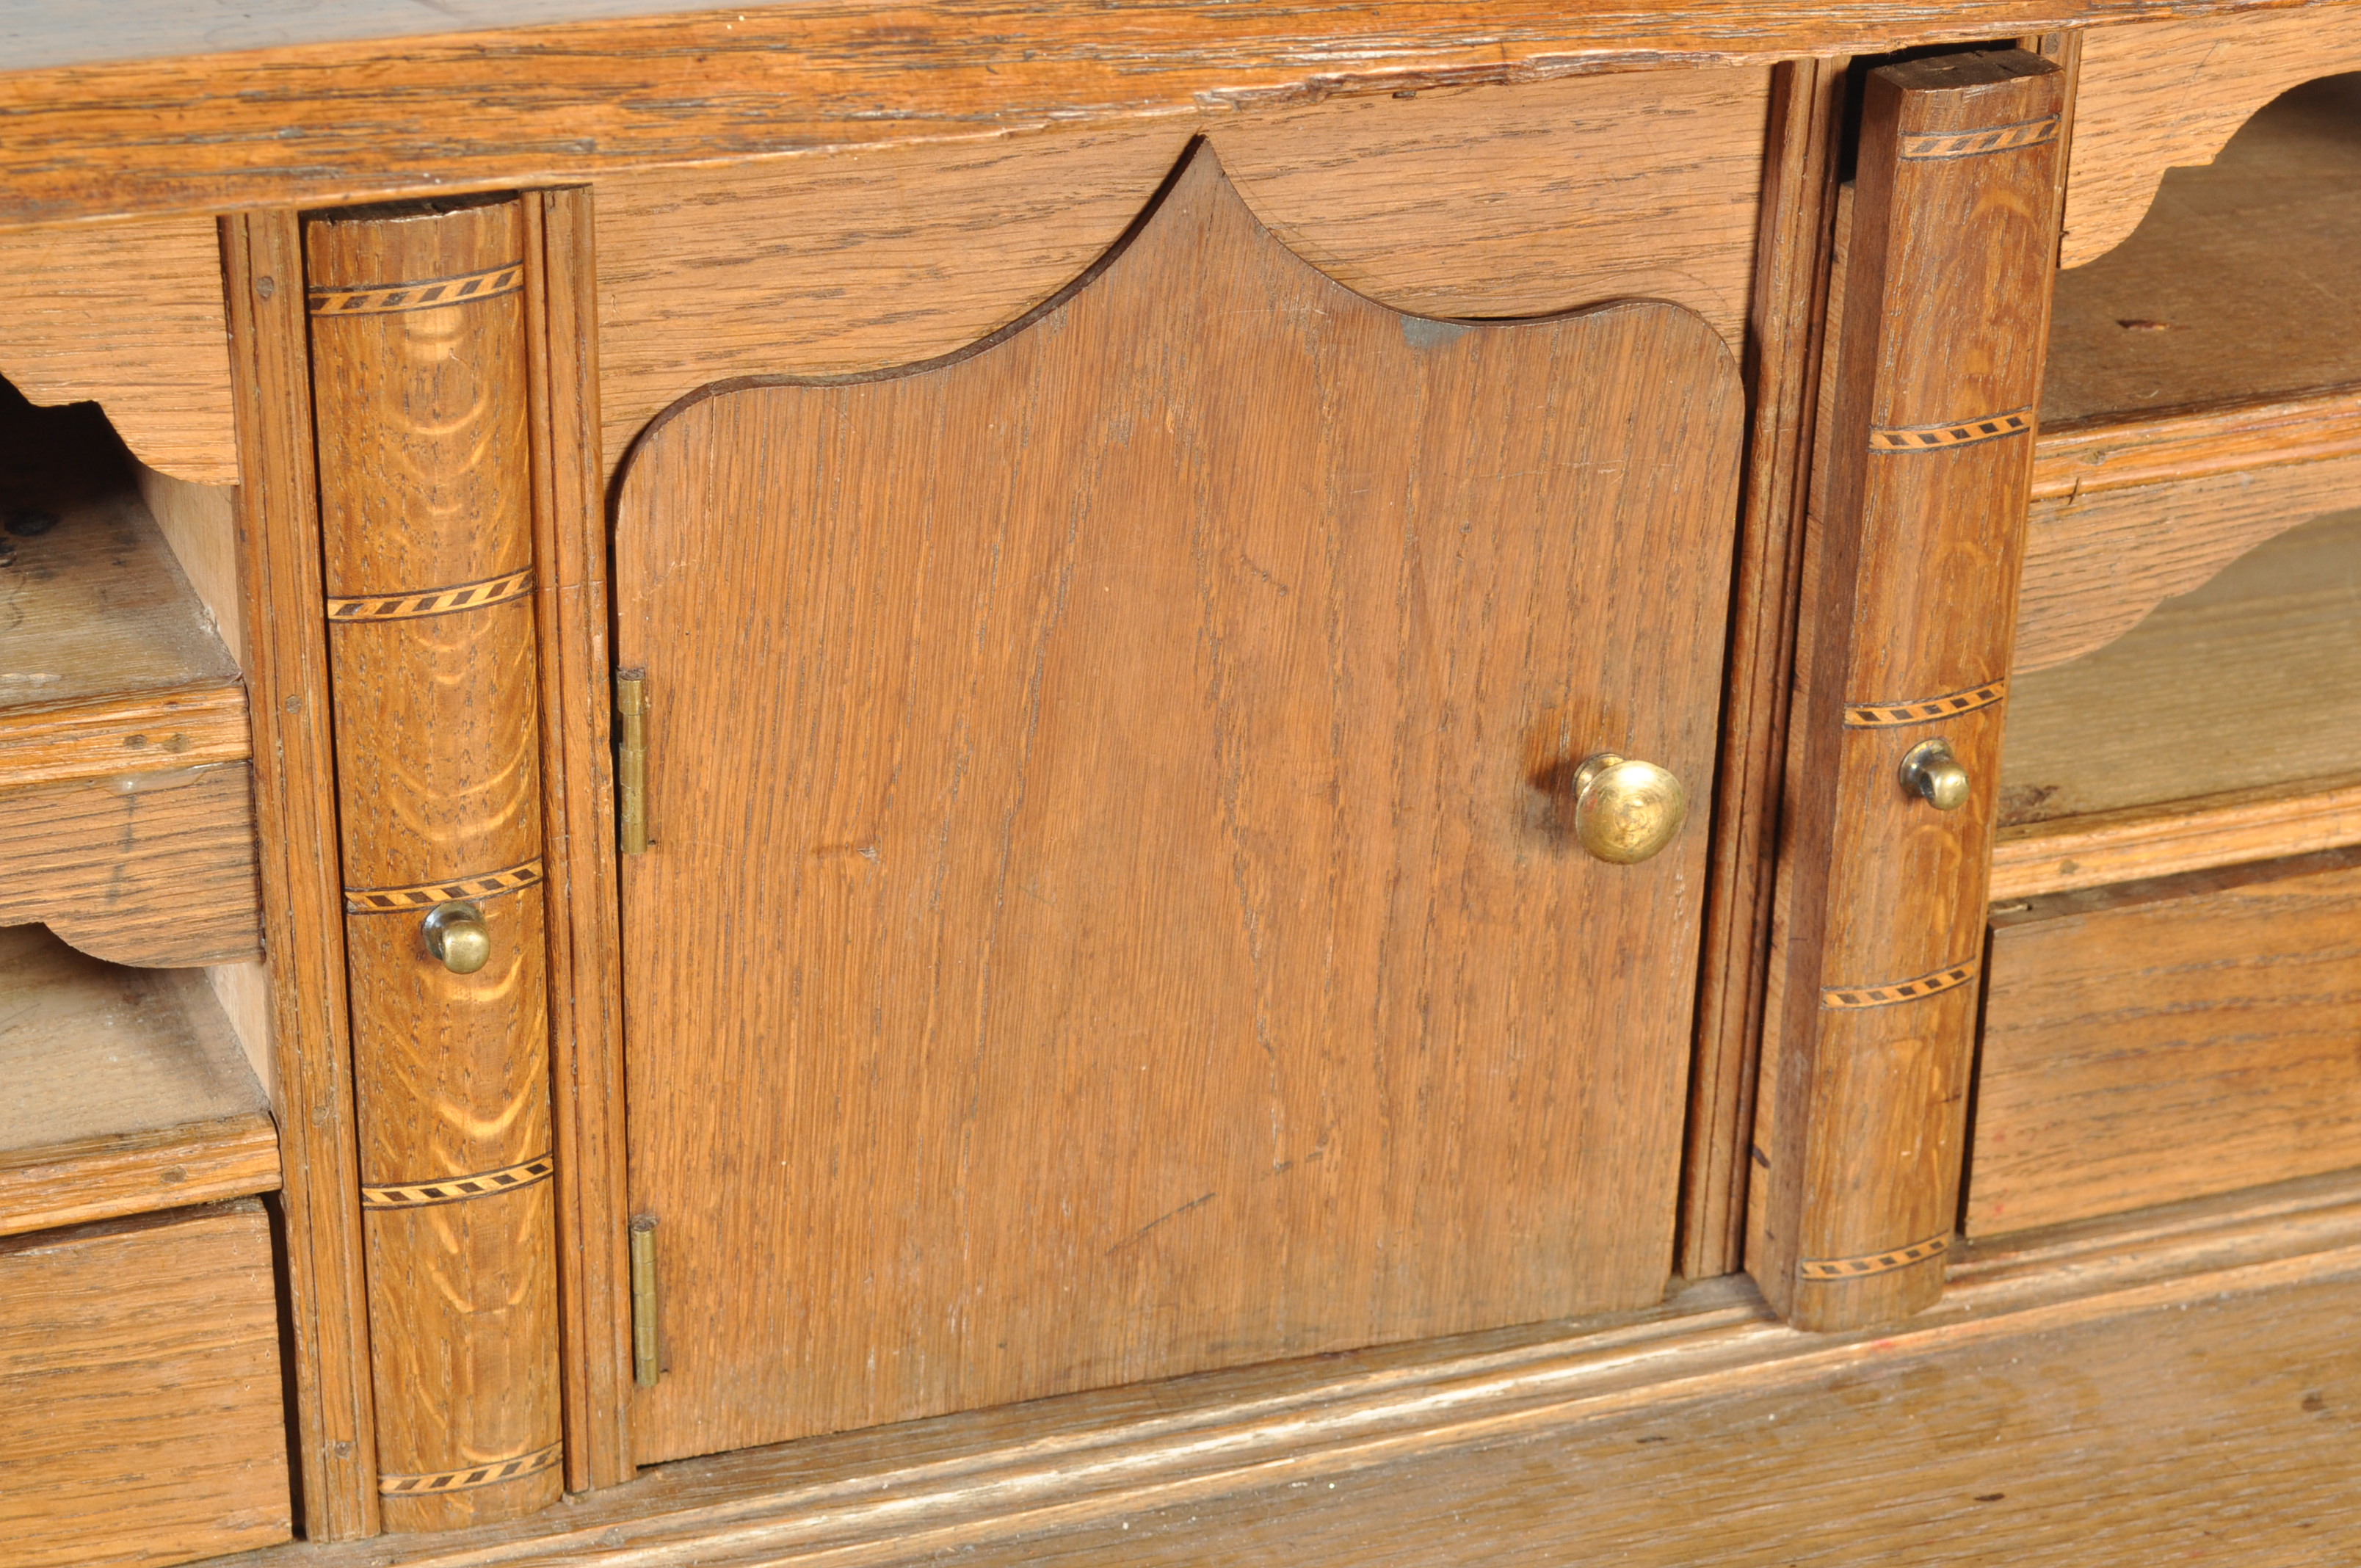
(2226, 727)
(2204, 378)
(128, 1093)
(124, 742)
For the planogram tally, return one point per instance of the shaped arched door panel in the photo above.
(1111, 909)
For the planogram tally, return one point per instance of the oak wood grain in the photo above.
(2167, 1040)
(421, 366)
(2181, 1429)
(2230, 289)
(585, 1005)
(521, 107)
(153, 868)
(1790, 305)
(302, 897)
(1163, 765)
(108, 661)
(139, 1368)
(128, 314)
(2171, 93)
(1496, 201)
(1910, 600)
(128, 1093)
(199, 523)
(2100, 847)
(2253, 680)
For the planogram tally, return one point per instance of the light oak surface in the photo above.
(2171, 93)
(422, 398)
(2098, 561)
(1487, 202)
(128, 1093)
(128, 314)
(2132, 1391)
(123, 720)
(1112, 863)
(2102, 846)
(553, 105)
(2232, 289)
(278, 514)
(2252, 681)
(2162, 1040)
(139, 1378)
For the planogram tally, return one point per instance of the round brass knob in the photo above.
(1624, 809)
(1933, 774)
(456, 934)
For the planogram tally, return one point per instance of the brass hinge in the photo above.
(647, 1341)
(632, 761)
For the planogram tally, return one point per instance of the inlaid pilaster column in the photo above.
(419, 357)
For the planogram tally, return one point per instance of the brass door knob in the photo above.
(1624, 809)
(1935, 775)
(456, 934)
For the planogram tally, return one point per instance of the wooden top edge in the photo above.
(155, 735)
(117, 1174)
(2135, 824)
(313, 123)
(2160, 445)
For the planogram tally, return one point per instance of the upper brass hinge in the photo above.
(632, 761)
(647, 1341)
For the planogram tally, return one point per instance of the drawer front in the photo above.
(2171, 1039)
(140, 1416)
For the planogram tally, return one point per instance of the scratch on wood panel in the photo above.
(1140, 1235)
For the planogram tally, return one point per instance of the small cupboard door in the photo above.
(1112, 908)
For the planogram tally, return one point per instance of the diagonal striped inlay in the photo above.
(1873, 1263)
(1841, 998)
(1880, 715)
(427, 894)
(435, 601)
(425, 294)
(458, 1189)
(487, 1474)
(1926, 145)
(1959, 433)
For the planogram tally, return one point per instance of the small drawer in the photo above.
(140, 1406)
(2169, 1039)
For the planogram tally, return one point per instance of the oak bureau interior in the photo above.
(1171, 784)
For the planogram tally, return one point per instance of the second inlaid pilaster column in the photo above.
(419, 359)
(1924, 458)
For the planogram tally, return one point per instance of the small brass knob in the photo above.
(1624, 809)
(1933, 774)
(456, 934)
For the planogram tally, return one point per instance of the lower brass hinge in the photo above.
(647, 1330)
(632, 761)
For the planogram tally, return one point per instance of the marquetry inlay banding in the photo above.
(1873, 1263)
(426, 896)
(1976, 143)
(435, 601)
(1958, 433)
(377, 299)
(459, 1189)
(1942, 980)
(490, 1475)
(1878, 715)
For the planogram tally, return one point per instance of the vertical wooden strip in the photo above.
(1789, 298)
(577, 789)
(303, 922)
(1928, 461)
(420, 366)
